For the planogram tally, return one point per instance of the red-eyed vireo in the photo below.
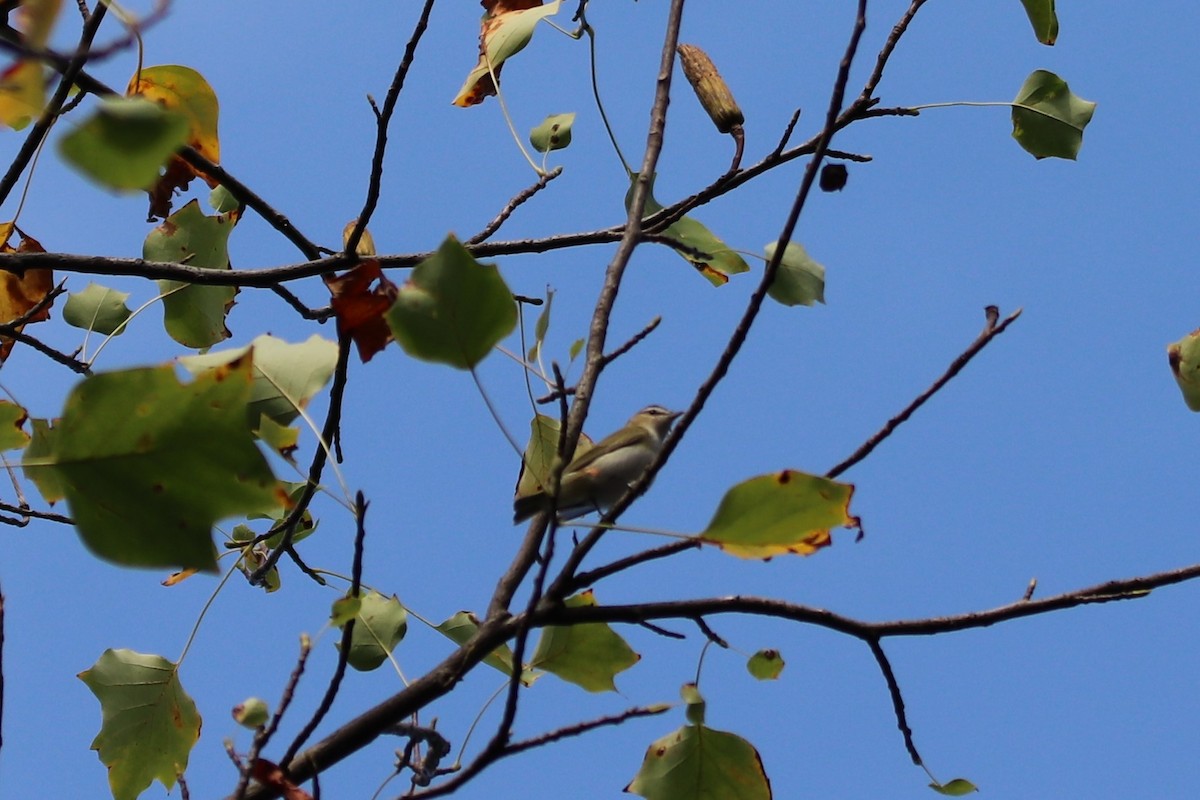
(598, 478)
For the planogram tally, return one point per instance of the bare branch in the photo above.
(893, 685)
(513, 205)
(382, 118)
(990, 331)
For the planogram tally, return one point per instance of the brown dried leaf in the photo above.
(360, 308)
(21, 293)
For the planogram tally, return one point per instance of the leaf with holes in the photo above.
(150, 724)
(453, 309)
(784, 512)
(194, 315)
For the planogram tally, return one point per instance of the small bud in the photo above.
(710, 88)
(251, 712)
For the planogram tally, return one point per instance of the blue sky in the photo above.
(1064, 452)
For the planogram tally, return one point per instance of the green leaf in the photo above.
(12, 420)
(1184, 358)
(1043, 19)
(553, 134)
(784, 512)
(719, 261)
(540, 452)
(452, 310)
(696, 705)
(576, 348)
(97, 308)
(194, 315)
(588, 655)
(1048, 120)
(799, 281)
(36, 456)
(125, 142)
(380, 625)
(149, 465)
(286, 376)
(344, 609)
(765, 665)
(541, 326)
(955, 788)
(463, 625)
(222, 200)
(701, 763)
(150, 725)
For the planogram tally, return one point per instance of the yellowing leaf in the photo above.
(22, 85)
(150, 725)
(194, 315)
(504, 33)
(12, 420)
(22, 94)
(1184, 358)
(1048, 119)
(959, 787)
(183, 91)
(20, 294)
(149, 465)
(540, 452)
(785, 512)
(588, 655)
(701, 763)
(453, 309)
(718, 261)
(765, 665)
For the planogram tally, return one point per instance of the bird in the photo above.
(598, 478)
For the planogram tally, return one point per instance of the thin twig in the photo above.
(72, 363)
(339, 671)
(990, 331)
(512, 205)
(591, 577)
(893, 686)
(29, 513)
(383, 117)
(329, 433)
(560, 392)
(753, 305)
(37, 132)
(479, 764)
(264, 734)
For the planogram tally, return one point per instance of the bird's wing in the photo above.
(621, 438)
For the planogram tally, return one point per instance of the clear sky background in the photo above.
(1064, 452)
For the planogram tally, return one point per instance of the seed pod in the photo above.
(710, 88)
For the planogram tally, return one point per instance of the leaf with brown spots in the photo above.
(20, 294)
(150, 723)
(360, 306)
(507, 27)
(784, 512)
